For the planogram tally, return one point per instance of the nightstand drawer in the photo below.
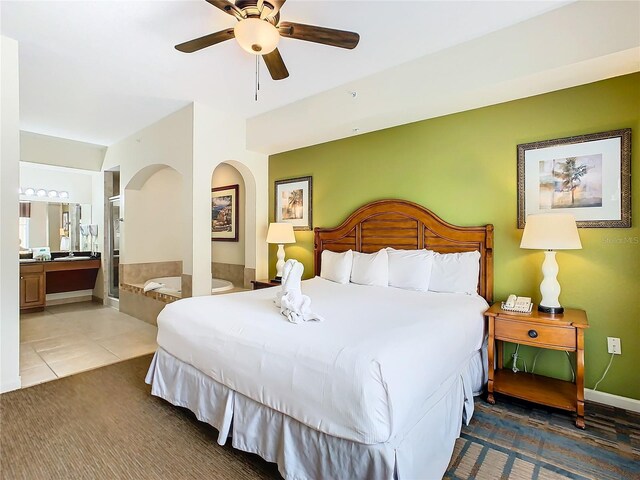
(549, 336)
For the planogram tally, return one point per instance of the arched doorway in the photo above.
(228, 226)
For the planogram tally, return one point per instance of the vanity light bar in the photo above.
(41, 192)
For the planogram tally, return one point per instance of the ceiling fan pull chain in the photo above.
(257, 76)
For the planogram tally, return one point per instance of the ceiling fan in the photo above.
(259, 29)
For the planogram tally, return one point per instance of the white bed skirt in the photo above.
(423, 451)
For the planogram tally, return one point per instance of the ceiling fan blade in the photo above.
(276, 65)
(265, 7)
(206, 41)
(227, 7)
(326, 36)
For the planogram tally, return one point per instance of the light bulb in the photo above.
(29, 191)
(52, 194)
(256, 36)
(41, 192)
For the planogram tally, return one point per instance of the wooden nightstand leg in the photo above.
(580, 378)
(580, 417)
(490, 362)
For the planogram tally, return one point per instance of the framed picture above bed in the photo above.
(293, 200)
(588, 176)
(224, 213)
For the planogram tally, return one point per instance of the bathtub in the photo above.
(173, 285)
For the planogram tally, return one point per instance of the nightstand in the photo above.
(556, 332)
(258, 284)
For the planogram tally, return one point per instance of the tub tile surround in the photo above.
(249, 276)
(134, 300)
(143, 306)
(138, 273)
(71, 338)
(187, 285)
(228, 271)
(146, 306)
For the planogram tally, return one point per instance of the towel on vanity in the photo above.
(293, 304)
(65, 244)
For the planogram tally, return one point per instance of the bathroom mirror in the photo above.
(56, 225)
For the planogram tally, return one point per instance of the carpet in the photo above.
(104, 424)
(518, 440)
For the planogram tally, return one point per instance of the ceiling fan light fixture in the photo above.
(256, 36)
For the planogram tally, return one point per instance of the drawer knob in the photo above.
(532, 333)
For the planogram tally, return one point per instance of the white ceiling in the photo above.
(580, 43)
(99, 71)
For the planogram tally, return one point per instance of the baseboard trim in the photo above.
(630, 404)
(14, 384)
(112, 302)
(65, 301)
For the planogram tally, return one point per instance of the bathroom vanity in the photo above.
(37, 278)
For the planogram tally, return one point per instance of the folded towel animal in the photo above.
(293, 304)
(149, 285)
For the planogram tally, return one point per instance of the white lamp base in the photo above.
(280, 262)
(550, 288)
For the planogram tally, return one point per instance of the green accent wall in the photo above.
(463, 168)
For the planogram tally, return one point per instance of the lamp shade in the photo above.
(256, 36)
(551, 231)
(281, 233)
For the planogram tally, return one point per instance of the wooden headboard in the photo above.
(406, 225)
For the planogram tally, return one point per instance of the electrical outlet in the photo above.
(613, 345)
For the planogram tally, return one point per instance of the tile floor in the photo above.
(72, 338)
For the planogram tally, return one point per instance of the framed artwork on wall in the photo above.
(588, 176)
(293, 200)
(224, 213)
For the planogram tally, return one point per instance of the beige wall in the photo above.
(230, 252)
(194, 141)
(168, 142)
(226, 144)
(54, 217)
(77, 183)
(48, 150)
(38, 235)
(155, 219)
(9, 182)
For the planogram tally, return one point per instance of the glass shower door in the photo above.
(114, 247)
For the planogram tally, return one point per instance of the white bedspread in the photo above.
(365, 374)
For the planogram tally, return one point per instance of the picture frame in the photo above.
(293, 202)
(225, 213)
(588, 176)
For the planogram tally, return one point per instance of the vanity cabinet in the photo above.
(32, 287)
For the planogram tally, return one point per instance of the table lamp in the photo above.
(280, 233)
(550, 232)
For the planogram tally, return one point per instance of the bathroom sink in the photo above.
(66, 259)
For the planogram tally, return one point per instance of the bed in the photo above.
(379, 389)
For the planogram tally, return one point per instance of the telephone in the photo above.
(517, 304)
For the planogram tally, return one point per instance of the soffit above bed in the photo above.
(98, 72)
(577, 44)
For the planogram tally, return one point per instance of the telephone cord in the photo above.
(606, 370)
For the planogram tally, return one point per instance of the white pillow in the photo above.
(370, 268)
(336, 266)
(455, 272)
(410, 269)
